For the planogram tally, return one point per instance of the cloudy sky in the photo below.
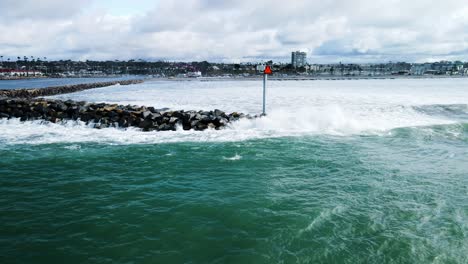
(236, 30)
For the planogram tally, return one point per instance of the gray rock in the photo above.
(105, 115)
(123, 123)
(218, 112)
(146, 124)
(211, 126)
(200, 126)
(146, 114)
(61, 107)
(194, 123)
(205, 118)
(223, 121)
(156, 117)
(173, 120)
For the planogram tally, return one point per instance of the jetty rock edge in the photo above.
(22, 104)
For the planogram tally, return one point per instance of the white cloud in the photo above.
(332, 30)
(31, 10)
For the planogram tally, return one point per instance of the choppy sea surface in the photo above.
(352, 171)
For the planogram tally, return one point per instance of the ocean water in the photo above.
(353, 171)
(49, 82)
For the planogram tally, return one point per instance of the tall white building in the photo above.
(298, 59)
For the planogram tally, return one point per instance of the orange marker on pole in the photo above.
(266, 72)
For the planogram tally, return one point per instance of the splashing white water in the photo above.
(233, 158)
(73, 147)
(294, 109)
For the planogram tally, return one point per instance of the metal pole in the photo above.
(265, 77)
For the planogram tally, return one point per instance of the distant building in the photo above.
(420, 69)
(260, 67)
(298, 59)
(19, 73)
(195, 74)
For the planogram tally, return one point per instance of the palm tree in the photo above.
(45, 59)
(27, 68)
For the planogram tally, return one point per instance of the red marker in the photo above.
(266, 72)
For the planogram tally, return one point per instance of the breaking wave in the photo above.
(341, 108)
(329, 120)
(453, 111)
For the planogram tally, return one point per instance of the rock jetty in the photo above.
(31, 93)
(101, 115)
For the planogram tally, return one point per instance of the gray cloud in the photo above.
(13, 10)
(331, 30)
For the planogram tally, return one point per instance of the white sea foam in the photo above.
(295, 108)
(73, 147)
(323, 217)
(235, 157)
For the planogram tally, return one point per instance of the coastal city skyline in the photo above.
(236, 31)
(26, 67)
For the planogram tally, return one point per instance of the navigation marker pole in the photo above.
(266, 72)
(265, 78)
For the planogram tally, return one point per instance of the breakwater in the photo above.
(101, 115)
(48, 91)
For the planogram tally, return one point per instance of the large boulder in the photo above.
(146, 124)
(146, 114)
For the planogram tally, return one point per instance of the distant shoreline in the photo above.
(305, 78)
(272, 78)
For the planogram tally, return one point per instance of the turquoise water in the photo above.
(73, 194)
(401, 198)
